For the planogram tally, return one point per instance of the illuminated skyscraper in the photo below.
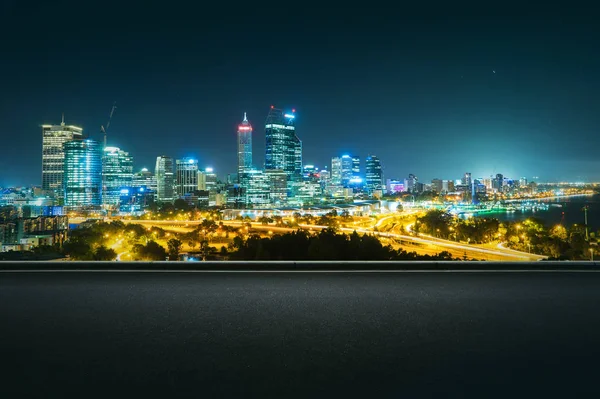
(336, 171)
(244, 146)
(355, 166)
(82, 173)
(53, 157)
(374, 174)
(467, 179)
(283, 147)
(187, 176)
(117, 174)
(347, 165)
(165, 181)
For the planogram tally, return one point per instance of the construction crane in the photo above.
(105, 129)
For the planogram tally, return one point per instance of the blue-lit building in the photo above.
(244, 136)
(133, 200)
(83, 173)
(117, 173)
(346, 170)
(186, 170)
(283, 147)
(374, 174)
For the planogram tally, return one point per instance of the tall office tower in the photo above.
(410, 184)
(117, 174)
(244, 136)
(144, 179)
(207, 180)
(346, 170)
(53, 155)
(355, 166)
(82, 173)
(283, 147)
(437, 185)
(336, 171)
(187, 176)
(467, 179)
(374, 174)
(165, 181)
(498, 182)
(277, 186)
(523, 182)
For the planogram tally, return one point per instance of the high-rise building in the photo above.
(336, 171)
(244, 136)
(283, 147)
(258, 188)
(145, 179)
(165, 181)
(447, 186)
(82, 173)
(186, 171)
(53, 157)
(355, 166)
(374, 174)
(410, 184)
(437, 185)
(207, 180)
(117, 174)
(498, 182)
(467, 181)
(277, 186)
(347, 165)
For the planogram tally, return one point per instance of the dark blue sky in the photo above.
(415, 87)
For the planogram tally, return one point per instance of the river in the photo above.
(569, 212)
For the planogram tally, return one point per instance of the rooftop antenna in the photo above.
(245, 118)
(105, 129)
(62, 123)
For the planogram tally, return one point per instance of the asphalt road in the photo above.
(305, 335)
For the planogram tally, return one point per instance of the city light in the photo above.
(289, 116)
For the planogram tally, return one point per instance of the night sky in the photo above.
(433, 91)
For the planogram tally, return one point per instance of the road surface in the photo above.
(299, 335)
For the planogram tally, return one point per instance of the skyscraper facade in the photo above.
(346, 170)
(374, 174)
(165, 181)
(336, 171)
(187, 176)
(82, 173)
(244, 136)
(117, 174)
(53, 157)
(283, 147)
(467, 179)
(355, 167)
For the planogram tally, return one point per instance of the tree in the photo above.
(181, 205)
(150, 251)
(174, 247)
(104, 253)
(78, 250)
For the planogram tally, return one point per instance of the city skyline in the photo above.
(427, 93)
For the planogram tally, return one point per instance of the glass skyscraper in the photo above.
(336, 171)
(164, 179)
(53, 157)
(283, 147)
(374, 174)
(117, 174)
(244, 135)
(186, 170)
(347, 165)
(82, 173)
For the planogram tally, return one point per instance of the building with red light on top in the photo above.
(244, 135)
